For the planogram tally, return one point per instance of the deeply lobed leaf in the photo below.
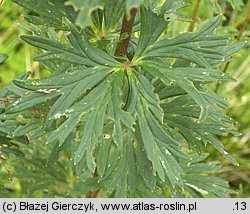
(125, 120)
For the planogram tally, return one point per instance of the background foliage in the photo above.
(29, 165)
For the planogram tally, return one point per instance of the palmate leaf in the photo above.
(124, 121)
(184, 78)
(200, 48)
(93, 103)
(189, 125)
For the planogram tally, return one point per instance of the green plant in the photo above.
(124, 98)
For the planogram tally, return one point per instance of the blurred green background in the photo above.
(29, 177)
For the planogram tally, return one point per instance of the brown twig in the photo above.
(127, 26)
(194, 15)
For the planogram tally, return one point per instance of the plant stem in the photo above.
(127, 26)
(121, 50)
(244, 25)
(194, 15)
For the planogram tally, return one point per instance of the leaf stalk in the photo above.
(194, 15)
